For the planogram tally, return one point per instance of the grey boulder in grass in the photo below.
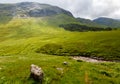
(36, 73)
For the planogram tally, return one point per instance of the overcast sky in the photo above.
(83, 8)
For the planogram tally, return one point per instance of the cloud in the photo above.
(83, 8)
(106, 8)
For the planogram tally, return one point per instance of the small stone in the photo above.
(65, 63)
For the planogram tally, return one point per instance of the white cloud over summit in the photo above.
(83, 8)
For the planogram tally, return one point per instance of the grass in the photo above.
(15, 70)
(104, 45)
(21, 38)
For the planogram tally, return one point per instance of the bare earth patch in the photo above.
(87, 59)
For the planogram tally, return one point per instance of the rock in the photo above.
(36, 73)
(65, 63)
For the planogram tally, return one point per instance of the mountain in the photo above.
(33, 9)
(117, 19)
(51, 14)
(108, 22)
(29, 9)
(89, 22)
(6, 12)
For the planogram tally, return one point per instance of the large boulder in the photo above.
(36, 73)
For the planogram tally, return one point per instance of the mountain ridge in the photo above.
(89, 22)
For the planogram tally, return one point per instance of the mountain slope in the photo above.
(59, 19)
(29, 9)
(108, 22)
(6, 11)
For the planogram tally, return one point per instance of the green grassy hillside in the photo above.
(59, 19)
(37, 41)
(38, 35)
